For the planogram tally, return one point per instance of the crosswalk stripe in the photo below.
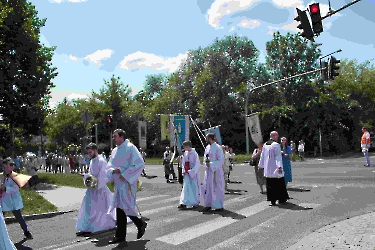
(188, 234)
(234, 242)
(150, 198)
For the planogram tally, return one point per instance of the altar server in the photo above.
(214, 176)
(11, 199)
(190, 195)
(93, 215)
(271, 161)
(124, 168)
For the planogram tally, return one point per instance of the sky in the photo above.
(96, 39)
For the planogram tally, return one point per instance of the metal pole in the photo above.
(320, 142)
(96, 134)
(110, 139)
(247, 130)
(288, 78)
(334, 12)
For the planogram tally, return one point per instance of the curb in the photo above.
(10, 220)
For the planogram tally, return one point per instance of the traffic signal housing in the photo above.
(324, 70)
(109, 120)
(334, 68)
(304, 25)
(316, 18)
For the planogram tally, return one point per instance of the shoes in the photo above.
(181, 206)
(142, 230)
(83, 233)
(367, 165)
(273, 203)
(116, 240)
(195, 207)
(28, 235)
(168, 181)
(206, 209)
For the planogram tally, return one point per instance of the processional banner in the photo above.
(253, 125)
(216, 132)
(164, 125)
(179, 130)
(142, 133)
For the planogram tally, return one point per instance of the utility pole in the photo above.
(320, 142)
(247, 129)
(96, 133)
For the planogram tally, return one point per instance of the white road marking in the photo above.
(150, 198)
(233, 243)
(151, 224)
(187, 234)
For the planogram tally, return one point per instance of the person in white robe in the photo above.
(271, 161)
(190, 195)
(124, 168)
(93, 215)
(226, 167)
(214, 176)
(5, 242)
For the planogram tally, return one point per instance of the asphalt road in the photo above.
(339, 189)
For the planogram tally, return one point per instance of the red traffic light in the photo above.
(314, 8)
(109, 120)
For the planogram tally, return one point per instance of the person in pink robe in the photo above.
(214, 185)
(124, 168)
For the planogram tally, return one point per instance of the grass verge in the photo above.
(34, 203)
(69, 180)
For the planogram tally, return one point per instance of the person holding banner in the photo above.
(214, 176)
(190, 195)
(259, 172)
(226, 166)
(271, 161)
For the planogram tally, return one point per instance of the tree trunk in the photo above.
(12, 139)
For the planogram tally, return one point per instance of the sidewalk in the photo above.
(354, 233)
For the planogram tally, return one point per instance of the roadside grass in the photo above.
(34, 203)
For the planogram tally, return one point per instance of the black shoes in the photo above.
(83, 233)
(182, 206)
(28, 235)
(116, 240)
(142, 230)
(206, 210)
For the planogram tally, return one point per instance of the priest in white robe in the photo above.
(214, 185)
(271, 161)
(124, 168)
(93, 215)
(190, 195)
(5, 242)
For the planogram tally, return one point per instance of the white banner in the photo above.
(253, 124)
(142, 133)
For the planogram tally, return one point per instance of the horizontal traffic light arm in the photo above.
(288, 78)
(344, 7)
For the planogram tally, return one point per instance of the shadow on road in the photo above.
(150, 176)
(298, 190)
(235, 182)
(228, 214)
(291, 206)
(139, 244)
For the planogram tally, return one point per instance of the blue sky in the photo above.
(131, 39)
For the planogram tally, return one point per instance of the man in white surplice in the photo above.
(124, 168)
(93, 215)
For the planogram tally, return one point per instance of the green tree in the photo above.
(26, 71)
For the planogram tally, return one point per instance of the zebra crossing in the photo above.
(175, 229)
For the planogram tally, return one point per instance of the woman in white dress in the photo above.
(5, 242)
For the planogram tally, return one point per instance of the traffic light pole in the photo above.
(288, 78)
(96, 134)
(344, 7)
(110, 139)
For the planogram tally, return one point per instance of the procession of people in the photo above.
(102, 210)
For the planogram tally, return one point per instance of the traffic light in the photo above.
(304, 25)
(334, 68)
(324, 71)
(109, 120)
(316, 18)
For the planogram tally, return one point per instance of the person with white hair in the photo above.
(32, 168)
(271, 161)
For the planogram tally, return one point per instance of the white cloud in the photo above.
(76, 96)
(288, 3)
(232, 29)
(99, 55)
(73, 58)
(221, 8)
(142, 60)
(251, 24)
